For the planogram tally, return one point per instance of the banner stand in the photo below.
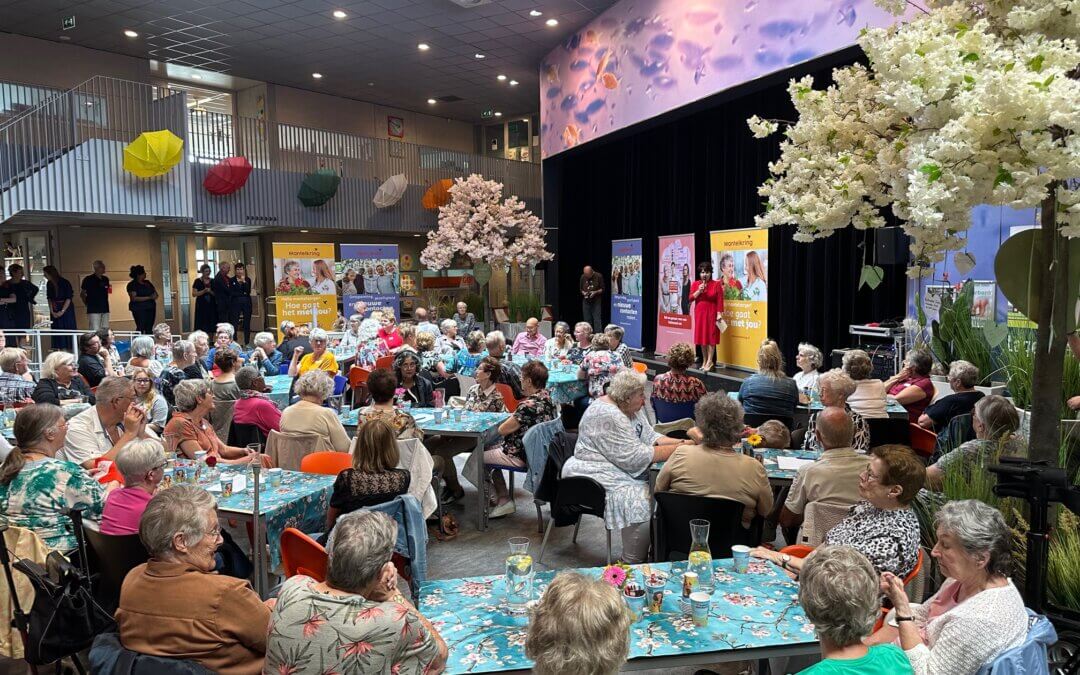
(625, 285)
(675, 273)
(740, 260)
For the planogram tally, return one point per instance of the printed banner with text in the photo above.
(626, 289)
(676, 273)
(304, 284)
(740, 260)
(377, 277)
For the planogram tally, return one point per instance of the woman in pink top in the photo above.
(253, 407)
(911, 387)
(142, 464)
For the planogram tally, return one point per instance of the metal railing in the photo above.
(40, 342)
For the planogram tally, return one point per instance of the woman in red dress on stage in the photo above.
(708, 298)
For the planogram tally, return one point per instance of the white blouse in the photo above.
(869, 399)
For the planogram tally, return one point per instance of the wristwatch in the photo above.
(784, 560)
(903, 618)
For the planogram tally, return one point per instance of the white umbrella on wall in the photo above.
(390, 192)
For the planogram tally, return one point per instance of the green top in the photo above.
(879, 660)
(42, 489)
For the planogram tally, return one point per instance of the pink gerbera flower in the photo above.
(614, 576)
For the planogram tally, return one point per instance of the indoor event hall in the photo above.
(567, 337)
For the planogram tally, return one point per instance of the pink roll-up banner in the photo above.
(675, 274)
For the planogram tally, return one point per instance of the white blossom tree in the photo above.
(970, 102)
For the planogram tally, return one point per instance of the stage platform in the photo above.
(719, 379)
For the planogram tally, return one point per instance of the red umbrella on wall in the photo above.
(227, 176)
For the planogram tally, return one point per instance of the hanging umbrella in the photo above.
(319, 187)
(390, 192)
(227, 176)
(437, 195)
(153, 153)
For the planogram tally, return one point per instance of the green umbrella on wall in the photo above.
(319, 187)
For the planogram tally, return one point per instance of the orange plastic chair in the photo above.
(640, 367)
(911, 576)
(507, 396)
(923, 441)
(329, 463)
(358, 376)
(300, 554)
(797, 550)
(384, 363)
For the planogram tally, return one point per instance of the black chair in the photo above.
(109, 656)
(577, 496)
(959, 430)
(756, 420)
(110, 558)
(242, 435)
(889, 431)
(675, 511)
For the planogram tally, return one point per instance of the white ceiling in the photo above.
(371, 55)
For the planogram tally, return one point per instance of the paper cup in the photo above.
(167, 478)
(741, 557)
(275, 478)
(699, 604)
(636, 603)
(226, 487)
(438, 414)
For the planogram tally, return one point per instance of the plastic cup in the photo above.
(275, 478)
(699, 604)
(741, 556)
(167, 478)
(226, 487)
(654, 592)
(438, 414)
(635, 600)
(759, 454)
(457, 414)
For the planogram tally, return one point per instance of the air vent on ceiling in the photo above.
(470, 3)
(449, 99)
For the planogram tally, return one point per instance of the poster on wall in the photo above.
(626, 289)
(740, 260)
(304, 284)
(676, 273)
(378, 277)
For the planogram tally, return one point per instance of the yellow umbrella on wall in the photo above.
(153, 153)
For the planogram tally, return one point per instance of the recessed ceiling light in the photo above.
(418, 235)
(338, 14)
(535, 12)
(431, 101)
(371, 84)
(552, 22)
(498, 114)
(513, 83)
(500, 78)
(317, 76)
(303, 231)
(478, 55)
(423, 46)
(130, 33)
(151, 226)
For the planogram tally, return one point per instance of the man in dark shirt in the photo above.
(291, 339)
(592, 293)
(220, 286)
(95, 295)
(963, 376)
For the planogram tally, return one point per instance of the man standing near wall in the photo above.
(95, 295)
(592, 294)
(220, 286)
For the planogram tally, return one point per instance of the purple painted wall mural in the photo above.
(642, 58)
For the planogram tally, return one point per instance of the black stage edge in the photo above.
(719, 379)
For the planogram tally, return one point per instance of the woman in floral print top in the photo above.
(36, 488)
(675, 386)
(599, 365)
(356, 621)
(484, 395)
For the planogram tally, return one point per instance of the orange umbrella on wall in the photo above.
(437, 195)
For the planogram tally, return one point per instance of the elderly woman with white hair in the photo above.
(190, 431)
(142, 356)
(558, 346)
(184, 356)
(310, 416)
(977, 613)
(360, 604)
(996, 423)
(320, 357)
(963, 376)
(162, 342)
(223, 339)
(59, 382)
(175, 605)
(265, 355)
(449, 342)
(370, 347)
(616, 445)
(142, 464)
(350, 339)
(835, 387)
(615, 335)
(199, 369)
(838, 590)
(809, 360)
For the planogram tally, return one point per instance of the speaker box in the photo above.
(891, 246)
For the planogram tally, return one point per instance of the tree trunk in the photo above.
(1046, 380)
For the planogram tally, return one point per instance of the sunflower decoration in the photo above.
(755, 440)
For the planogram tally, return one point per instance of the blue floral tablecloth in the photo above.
(815, 405)
(301, 502)
(279, 394)
(563, 382)
(772, 470)
(471, 422)
(757, 609)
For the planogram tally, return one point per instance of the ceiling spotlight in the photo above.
(151, 226)
(535, 12)
(431, 101)
(513, 83)
(130, 33)
(498, 114)
(371, 84)
(338, 14)
(423, 46)
(304, 231)
(552, 22)
(317, 76)
(500, 78)
(478, 55)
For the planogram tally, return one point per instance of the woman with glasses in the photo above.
(319, 358)
(882, 526)
(190, 431)
(59, 381)
(157, 408)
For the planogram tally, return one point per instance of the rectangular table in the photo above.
(755, 615)
(893, 408)
(280, 385)
(563, 383)
(477, 425)
(777, 476)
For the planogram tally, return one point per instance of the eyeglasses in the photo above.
(215, 533)
(868, 476)
(142, 380)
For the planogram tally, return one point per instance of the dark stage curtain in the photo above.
(696, 170)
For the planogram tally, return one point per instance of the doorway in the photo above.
(183, 254)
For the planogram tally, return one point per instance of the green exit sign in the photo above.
(68, 22)
(487, 114)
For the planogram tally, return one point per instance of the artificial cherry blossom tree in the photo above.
(969, 102)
